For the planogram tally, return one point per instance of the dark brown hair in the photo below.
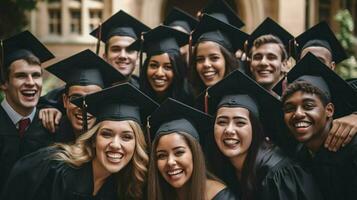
(30, 59)
(197, 83)
(159, 189)
(265, 39)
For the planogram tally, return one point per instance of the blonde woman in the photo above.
(107, 162)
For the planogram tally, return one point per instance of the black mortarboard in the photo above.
(120, 102)
(269, 26)
(24, 44)
(320, 35)
(121, 24)
(239, 90)
(160, 40)
(178, 17)
(212, 29)
(223, 12)
(86, 68)
(311, 70)
(174, 116)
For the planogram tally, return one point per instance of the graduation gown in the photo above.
(38, 177)
(12, 147)
(334, 172)
(224, 194)
(64, 133)
(281, 178)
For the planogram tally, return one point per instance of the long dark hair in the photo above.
(195, 79)
(180, 89)
(159, 189)
(220, 165)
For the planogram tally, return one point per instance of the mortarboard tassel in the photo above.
(148, 131)
(84, 115)
(2, 77)
(141, 51)
(99, 36)
(206, 101)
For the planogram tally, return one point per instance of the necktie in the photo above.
(23, 125)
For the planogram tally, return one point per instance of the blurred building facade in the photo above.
(64, 25)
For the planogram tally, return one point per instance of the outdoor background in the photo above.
(64, 25)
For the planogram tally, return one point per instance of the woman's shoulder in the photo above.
(218, 191)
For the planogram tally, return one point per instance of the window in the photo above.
(75, 22)
(95, 19)
(55, 22)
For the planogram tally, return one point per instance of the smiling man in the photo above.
(268, 52)
(310, 103)
(84, 73)
(21, 81)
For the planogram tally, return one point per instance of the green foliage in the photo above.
(12, 16)
(348, 68)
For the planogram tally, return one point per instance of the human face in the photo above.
(119, 57)
(323, 54)
(114, 146)
(267, 65)
(24, 86)
(174, 159)
(233, 132)
(160, 73)
(306, 116)
(74, 113)
(210, 63)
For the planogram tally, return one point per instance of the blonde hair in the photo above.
(131, 178)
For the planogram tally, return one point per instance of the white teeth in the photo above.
(264, 72)
(29, 92)
(159, 81)
(209, 73)
(174, 172)
(114, 155)
(231, 141)
(302, 124)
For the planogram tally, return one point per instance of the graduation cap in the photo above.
(174, 116)
(320, 35)
(178, 17)
(239, 90)
(86, 68)
(160, 40)
(212, 29)
(22, 45)
(117, 103)
(269, 26)
(223, 12)
(353, 83)
(311, 70)
(121, 24)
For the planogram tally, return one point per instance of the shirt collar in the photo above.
(14, 116)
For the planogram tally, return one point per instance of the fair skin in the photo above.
(114, 148)
(343, 128)
(308, 119)
(24, 86)
(174, 160)
(267, 65)
(210, 63)
(233, 134)
(175, 164)
(160, 73)
(74, 113)
(119, 57)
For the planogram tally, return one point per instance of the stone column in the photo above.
(292, 15)
(66, 18)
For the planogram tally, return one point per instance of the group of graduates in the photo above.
(214, 114)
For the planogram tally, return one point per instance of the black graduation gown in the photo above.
(38, 177)
(64, 132)
(281, 178)
(224, 194)
(12, 147)
(334, 172)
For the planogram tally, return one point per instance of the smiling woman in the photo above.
(110, 159)
(177, 167)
